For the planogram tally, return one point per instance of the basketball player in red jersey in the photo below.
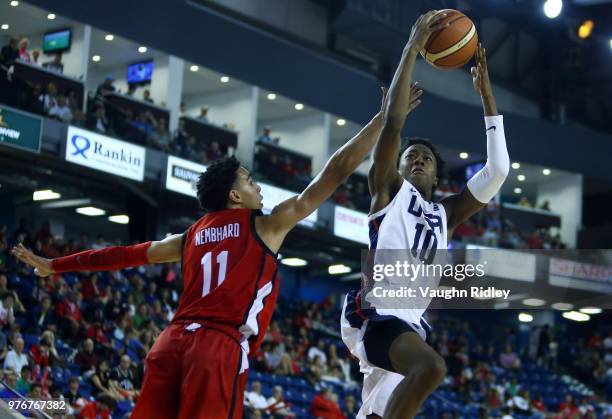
(197, 366)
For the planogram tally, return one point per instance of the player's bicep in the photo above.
(460, 207)
(383, 173)
(166, 250)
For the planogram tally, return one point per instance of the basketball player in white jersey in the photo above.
(400, 368)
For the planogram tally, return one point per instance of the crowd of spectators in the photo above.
(99, 327)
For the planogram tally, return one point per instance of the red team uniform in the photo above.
(197, 367)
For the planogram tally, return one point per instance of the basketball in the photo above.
(453, 46)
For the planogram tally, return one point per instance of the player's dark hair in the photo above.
(216, 182)
(440, 163)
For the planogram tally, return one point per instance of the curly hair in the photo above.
(215, 183)
(440, 163)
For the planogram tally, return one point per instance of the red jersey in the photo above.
(230, 277)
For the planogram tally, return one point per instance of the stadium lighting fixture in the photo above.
(299, 106)
(90, 211)
(45, 194)
(533, 302)
(51, 16)
(590, 310)
(338, 269)
(96, 58)
(576, 316)
(14, 3)
(546, 172)
(271, 96)
(521, 178)
(610, 43)
(552, 8)
(525, 317)
(294, 262)
(119, 219)
(516, 165)
(225, 79)
(562, 306)
(341, 122)
(585, 29)
(109, 37)
(518, 190)
(5, 26)
(142, 49)
(464, 155)
(194, 68)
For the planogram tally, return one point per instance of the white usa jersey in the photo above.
(413, 227)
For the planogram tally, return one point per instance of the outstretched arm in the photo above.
(339, 167)
(107, 259)
(483, 186)
(384, 179)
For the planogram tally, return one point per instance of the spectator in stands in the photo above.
(131, 90)
(524, 202)
(3, 347)
(122, 377)
(106, 88)
(253, 399)
(72, 393)
(7, 317)
(61, 110)
(146, 96)
(214, 152)
(144, 123)
(277, 408)
(56, 64)
(189, 150)
(25, 381)
(99, 409)
(69, 316)
(508, 359)
(203, 114)
(116, 306)
(10, 52)
(319, 351)
(160, 137)
(568, 409)
(15, 358)
(265, 137)
(324, 406)
(350, 408)
(545, 206)
(35, 58)
(24, 55)
(182, 108)
(102, 382)
(49, 100)
(86, 359)
(10, 378)
(34, 101)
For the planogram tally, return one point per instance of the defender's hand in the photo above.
(42, 266)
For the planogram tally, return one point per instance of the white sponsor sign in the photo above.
(500, 263)
(352, 225)
(105, 153)
(273, 196)
(584, 276)
(182, 175)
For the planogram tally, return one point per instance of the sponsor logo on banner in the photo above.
(20, 130)
(500, 263)
(579, 275)
(105, 153)
(182, 175)
(273, 196)
(350, 224)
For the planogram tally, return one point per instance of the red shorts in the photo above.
(192, 375)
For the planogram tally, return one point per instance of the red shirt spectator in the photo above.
(86, 358)
(90, 288)
(324, 407)
(96, 333)
(69, 309)
(94, 410)
(534, 241)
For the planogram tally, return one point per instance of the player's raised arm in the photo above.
(384, 179)
(338, 168)
(483, 186)
(107, 259)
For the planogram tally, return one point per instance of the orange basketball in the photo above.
(453, 46)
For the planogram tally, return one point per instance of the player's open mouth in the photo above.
(415, 171)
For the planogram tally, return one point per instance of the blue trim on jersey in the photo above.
(374, 226)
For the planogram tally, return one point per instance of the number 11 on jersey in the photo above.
(208, 285)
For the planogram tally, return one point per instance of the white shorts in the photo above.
(378, 384)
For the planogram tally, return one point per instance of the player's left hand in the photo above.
(480, 73)
(42, 266)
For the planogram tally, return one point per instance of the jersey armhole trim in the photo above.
(263, 245)
(389, 205)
